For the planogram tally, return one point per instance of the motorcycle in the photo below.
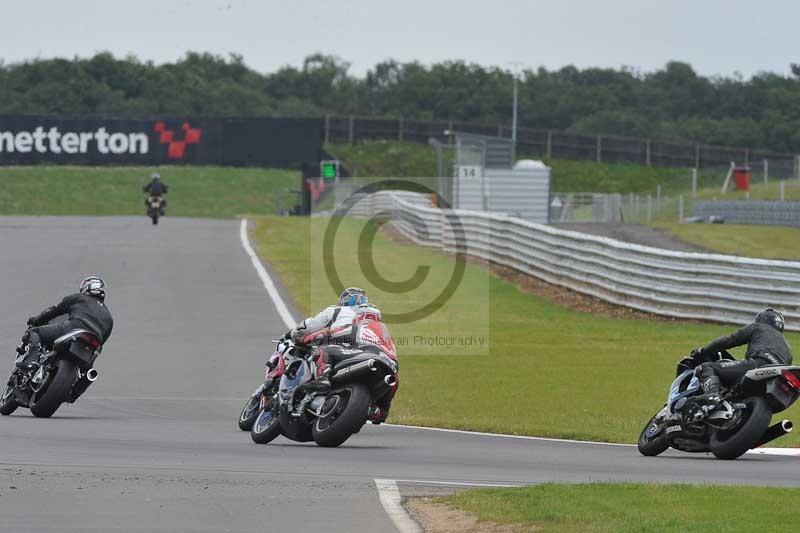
(267, 390)
(63, 375)
(739, 423)
(155, 208)
(359, 382)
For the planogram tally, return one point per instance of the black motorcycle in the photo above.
(155, 208)
(739, 423)
(358, 382)
(63, 375)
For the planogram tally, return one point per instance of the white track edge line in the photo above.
(457, 483)
(272, 291)
(392, 503)
(506, 436)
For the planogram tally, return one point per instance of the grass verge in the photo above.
(633, 507)
(544, 370)
(194, 191)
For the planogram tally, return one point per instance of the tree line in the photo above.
(673, 103)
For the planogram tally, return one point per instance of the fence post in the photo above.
(797, 166)
(350, 128)
(649, 208)
(766, 171)
(658, 199)
(549, 147)
(747, 157)
(327, 128)
(697, 156)
(680, 208)
(783, 196)
(450, 135)
(400, 129)
(599, 149)
(694, 183)
(647, 149)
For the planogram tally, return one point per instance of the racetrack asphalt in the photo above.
(154, 446)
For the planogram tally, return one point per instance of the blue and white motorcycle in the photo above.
(739, 423)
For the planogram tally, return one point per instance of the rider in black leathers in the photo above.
(86, 310)
(766, 345)
(157, 188)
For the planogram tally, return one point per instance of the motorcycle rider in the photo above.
(156, 188)
(86, 310)
(766, 345)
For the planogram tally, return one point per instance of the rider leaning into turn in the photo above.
(158, 188)
(86, 309)
(766, 345)
(336, 322)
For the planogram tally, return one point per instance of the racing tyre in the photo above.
(345, 415)
(55, 388)
(733, 443)
(7, 402)
(653, 438)
(266, 426)
(249, 413)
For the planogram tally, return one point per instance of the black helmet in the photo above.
(770, 317)
(93, 286)
(353, 296)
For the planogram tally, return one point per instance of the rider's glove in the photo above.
(697, 352)
(32, 321)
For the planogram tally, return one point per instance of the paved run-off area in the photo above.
(153, 445)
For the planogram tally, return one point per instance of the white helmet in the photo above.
(94, 286)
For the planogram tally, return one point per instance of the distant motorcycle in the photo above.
(358, 382)
(155, 208)
(738, 424)
(63, 375)
(266, 391)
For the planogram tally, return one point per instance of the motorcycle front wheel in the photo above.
(732, 443)
(55, 388)
(653, 438)
(345, 415)
(266, 426)
(8, 404)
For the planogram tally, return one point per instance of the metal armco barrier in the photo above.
(713, 287)
(751, 212)
(276, 142)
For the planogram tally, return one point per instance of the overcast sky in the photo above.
(715, 36)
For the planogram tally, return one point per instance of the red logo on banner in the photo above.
(176, 149)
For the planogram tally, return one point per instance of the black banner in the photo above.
(273, 142)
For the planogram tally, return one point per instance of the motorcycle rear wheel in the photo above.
(55, 390)
(652, 446)
(337, 426)
(734, 443)
(8, 404)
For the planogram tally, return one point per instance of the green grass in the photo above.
(634, 507)
(768, 242)
(546, 370)
(194, 191)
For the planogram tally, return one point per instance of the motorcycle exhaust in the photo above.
(92, 375)
(356, 370)
(390, 381)
(773, 432)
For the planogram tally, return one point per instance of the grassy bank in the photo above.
(606, 376)
(391, 159)
(194, 191)
(633, 507)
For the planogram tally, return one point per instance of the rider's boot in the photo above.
(322, 384)
(30, 359)
(710, 396)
